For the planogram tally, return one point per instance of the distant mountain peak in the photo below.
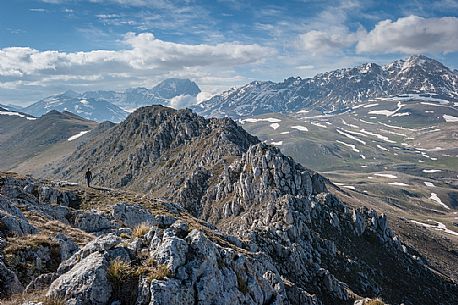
(102, 105)
(71, 93)
(172, 87)
(336, 90)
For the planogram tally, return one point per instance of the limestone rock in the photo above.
(92, 221)
(67, 246)
(12, 219)
(131, 215)
(9, 283)
(85, 283)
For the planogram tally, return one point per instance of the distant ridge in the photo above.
(337, 90)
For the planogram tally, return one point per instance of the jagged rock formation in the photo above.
(336, 90)
(160, 150)
(237, 223)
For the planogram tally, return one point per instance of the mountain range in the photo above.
(336, 91)
(111, 105)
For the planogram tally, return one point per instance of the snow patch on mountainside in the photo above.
(438, 200)
(389, 176)
(353, 147)
(450, 118)
(299, 127)
(12, 113)
(74, 137)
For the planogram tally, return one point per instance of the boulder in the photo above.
(66, 245)
(101, 244)
(92, 221)
(12, 221)
(131, 215)
(9, 283)
(85, 283)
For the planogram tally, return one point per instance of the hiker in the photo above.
(88, 177)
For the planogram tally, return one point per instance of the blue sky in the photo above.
(49, 46)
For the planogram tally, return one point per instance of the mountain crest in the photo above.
(337, 90)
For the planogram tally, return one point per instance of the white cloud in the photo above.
(203, 96)
(38, 10)
(183, 101)
(328, 33)
(330, 41)
(145, 59)
(412, 35)
(155, 52)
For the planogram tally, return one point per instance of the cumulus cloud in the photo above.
(144, 58)
(203, 96)
(412, 35)
(409, 35)
(329, 41)
(183, 101)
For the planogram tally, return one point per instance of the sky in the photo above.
(50, 46)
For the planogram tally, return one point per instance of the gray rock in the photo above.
(9, 283)
(101, 244)
(13, 220)
(42, 282)
(359, 222)
(334, 219)
(66, 245)
(132, 215)
(92, 221)
(85, 283)
(171, 251)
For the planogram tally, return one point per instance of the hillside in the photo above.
(157, 150)
(23, 138)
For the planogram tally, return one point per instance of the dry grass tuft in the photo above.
(374, 302)
(119, 270)
(160, 272)
(141, 230)
(36, 296)
(54, 300)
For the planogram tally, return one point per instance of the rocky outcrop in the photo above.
(67, 246)
(131, 215)
(172, 146)
(12, 220)
(93, 221)
(85, 283)
(207, 273)
(286, 212)
(9, 283)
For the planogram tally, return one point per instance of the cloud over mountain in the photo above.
(408, 35)
(145, 56)
(412, 34)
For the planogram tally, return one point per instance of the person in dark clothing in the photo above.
(88, 177)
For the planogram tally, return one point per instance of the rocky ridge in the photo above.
(242, 224)
(159, 150)
(336, 91)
